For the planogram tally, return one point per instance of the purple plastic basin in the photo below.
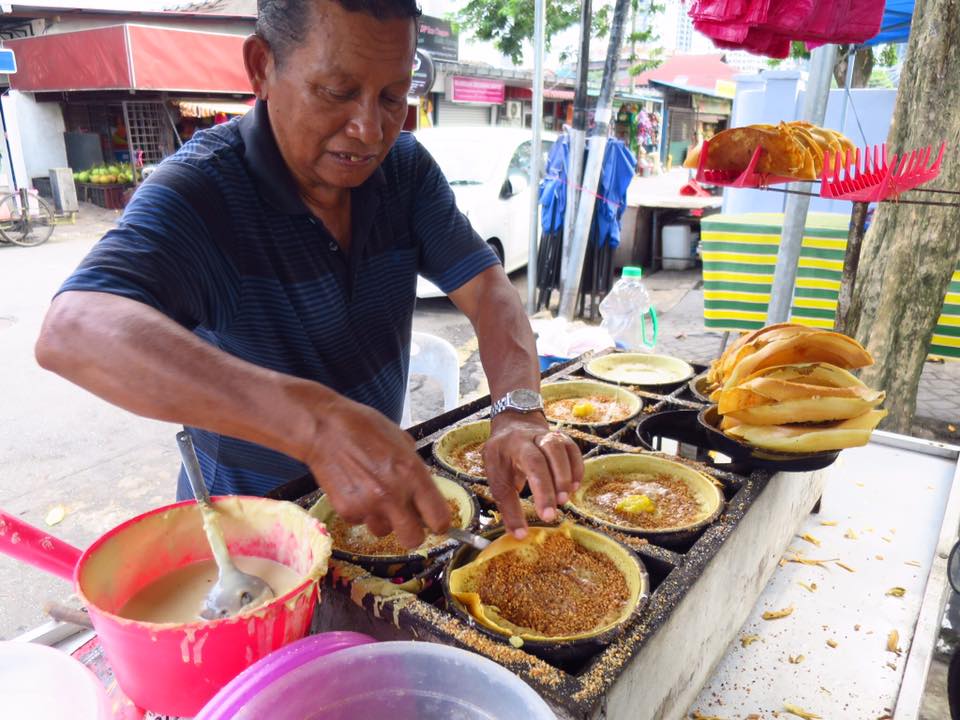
(231, 699)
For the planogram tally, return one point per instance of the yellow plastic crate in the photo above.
(740, 253)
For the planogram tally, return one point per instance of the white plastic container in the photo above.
(41, 683)
(398, 681)
(677, 247)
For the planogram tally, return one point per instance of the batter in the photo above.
(640, 373)
(177, 597)
(590, 408)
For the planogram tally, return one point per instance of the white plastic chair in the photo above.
(437, 359)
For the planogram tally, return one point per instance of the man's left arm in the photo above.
(521, 448)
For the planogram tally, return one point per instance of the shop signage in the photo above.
(437, 37)
(477, 90)
(8, 63)
(423, 74)
(727, 88)
(713, 106)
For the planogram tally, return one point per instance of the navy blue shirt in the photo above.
(219, 240)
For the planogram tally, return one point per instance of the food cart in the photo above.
(886, 515)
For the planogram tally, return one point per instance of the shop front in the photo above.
(692, 114)
(124, 97)
(470, 101)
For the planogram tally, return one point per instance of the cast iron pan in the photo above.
(744, 454)
(697, 386)
(679, 425)
(557, 653)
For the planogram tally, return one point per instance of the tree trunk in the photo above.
(863, 63)
(910, 251)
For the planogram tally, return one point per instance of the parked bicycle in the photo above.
(25, 218)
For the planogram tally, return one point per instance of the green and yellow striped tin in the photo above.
(739, 255)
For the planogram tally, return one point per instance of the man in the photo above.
(260, 287)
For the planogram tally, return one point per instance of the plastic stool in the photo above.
(437, 359)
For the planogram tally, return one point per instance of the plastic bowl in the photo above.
(260, 676)
(396, 680)
(41, 683)
(175, 668)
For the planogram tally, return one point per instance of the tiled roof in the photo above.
(700, 71)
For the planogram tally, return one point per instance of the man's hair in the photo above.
(284, 23)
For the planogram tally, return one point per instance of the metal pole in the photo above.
(795, 213)
(851, 60)
(536, 152)
(591, 174)
(577, 139)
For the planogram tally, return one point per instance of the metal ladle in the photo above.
(234, 589)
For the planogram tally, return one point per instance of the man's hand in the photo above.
(372, 474)
(522, 450)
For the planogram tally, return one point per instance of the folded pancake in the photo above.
(783, 154)
(809, 142)
(788, 383)
(794, 149)
(826, 139)
(749, 344)
(809, 438)
(692, 160)
(818, 347)
(558, 583)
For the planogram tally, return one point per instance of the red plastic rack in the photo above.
(868, 177)
(860, 176)
(749, 178)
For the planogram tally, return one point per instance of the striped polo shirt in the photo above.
(219, 240)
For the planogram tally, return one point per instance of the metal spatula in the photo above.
(234, 589)
(469, 538)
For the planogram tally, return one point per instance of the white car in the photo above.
(489, 170)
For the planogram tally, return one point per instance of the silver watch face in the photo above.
(524, 400)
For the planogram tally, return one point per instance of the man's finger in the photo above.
(349, 499)
(554, 450)
(533, 464)
(379, 525)
(406, 524)
(575, 458)
(508, 501)
(432, 507)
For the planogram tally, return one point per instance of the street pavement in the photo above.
(62, 446)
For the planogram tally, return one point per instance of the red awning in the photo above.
(525, 93)
(130, 57)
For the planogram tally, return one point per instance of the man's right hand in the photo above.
(370, 470)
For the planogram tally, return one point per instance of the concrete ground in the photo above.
(65, 447)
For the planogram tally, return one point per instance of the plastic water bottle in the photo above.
(625, 311)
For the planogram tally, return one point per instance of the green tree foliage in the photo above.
(508, 23)
(865, 60)
(889, 56)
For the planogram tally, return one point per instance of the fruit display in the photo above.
(792, 149)
(787, 388)
(115, 174)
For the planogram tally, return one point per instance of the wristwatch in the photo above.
(521, 401)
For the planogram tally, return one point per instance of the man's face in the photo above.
(339, 99)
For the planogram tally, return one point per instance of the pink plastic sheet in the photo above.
(767, 27)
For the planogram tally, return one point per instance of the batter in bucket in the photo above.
(177, 597)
